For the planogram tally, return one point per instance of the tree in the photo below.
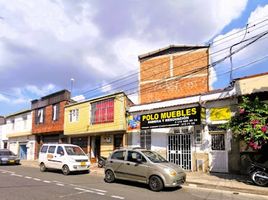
(250, 123)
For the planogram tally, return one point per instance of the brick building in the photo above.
(173, 72)
(48, 118)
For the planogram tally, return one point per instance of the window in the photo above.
(24, 118)
(55, 112)
(218, 142)
(44, 149)
(60, 150)
(13, 124)
(102, 111)
(119, 155)
(198, 138)
(51, 149)
(39, 116)
(145, 139)
(133, 156)
(74, 115)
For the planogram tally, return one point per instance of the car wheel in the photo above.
(156, 184)
(109, 176)
(43, 167)
(65, 170)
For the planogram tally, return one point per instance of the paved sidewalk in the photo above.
(219, 181)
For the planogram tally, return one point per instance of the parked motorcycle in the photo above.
(101, 161)
(258, 174)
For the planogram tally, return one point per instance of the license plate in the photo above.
(12, 161)
(83, 163)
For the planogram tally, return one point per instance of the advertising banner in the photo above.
(174, 118)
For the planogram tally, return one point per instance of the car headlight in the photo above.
(170, 172)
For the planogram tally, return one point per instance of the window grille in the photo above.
(217, 142)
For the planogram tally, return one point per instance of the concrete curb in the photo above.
(227, 188)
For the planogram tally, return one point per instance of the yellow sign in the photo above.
(217, 114)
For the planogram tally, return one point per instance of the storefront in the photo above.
(181, 130)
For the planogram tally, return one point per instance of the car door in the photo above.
(58, 158)
(116, 162)
(133, 169)
(51, 157)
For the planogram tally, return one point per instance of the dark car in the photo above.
(8, 157)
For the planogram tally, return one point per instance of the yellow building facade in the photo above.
(97, 125)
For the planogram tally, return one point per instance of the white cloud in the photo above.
(40, 91)
(79, 98)
(3, 98)
(250, 53)
(43, 42)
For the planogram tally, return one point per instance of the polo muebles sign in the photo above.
(174, 118)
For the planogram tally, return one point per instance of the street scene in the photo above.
(29, 183)
(129, 99)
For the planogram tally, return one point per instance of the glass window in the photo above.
(44, 149)
(55, 112)
(74, 114)
(39, 116)
(133, 156)
(60, 150)
(145, 139)
(198, 137)
(119, 155)
(74, 151)
(102, 111)
(51, 149)
(154, 157)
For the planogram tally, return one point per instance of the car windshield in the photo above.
(74, 151)
(154, 157)
(6, 153)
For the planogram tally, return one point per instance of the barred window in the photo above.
(145, 139)
(218, 142)
(102, 111)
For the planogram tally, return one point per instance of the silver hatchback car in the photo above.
(143, 166)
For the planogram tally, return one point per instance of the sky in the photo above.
(91, 47)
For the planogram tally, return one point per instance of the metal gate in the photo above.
(179, 150)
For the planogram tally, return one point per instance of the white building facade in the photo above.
(18, 129)
(3, 138)
(186, 131)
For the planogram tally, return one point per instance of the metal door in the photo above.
(23, 152)
(179, 150)
(218, 157)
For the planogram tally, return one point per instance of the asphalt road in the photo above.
(26, 183)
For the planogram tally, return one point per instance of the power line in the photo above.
(130, 75)
(192, 61)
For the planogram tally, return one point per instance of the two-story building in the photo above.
(3, 138)
(97, 125)
(48, 118)
(18, 129)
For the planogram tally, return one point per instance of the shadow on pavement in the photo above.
(143, 185)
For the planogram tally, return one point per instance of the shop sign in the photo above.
(174, 118)
(218, 114)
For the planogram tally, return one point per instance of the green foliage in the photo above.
(250, 122)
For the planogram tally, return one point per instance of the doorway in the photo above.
(23, 152)
(118, 141)
(179, 150)
(95, 142)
